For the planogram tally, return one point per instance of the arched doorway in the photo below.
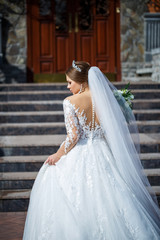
(60, 31)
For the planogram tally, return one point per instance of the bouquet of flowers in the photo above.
(128, 96)
(124, 97)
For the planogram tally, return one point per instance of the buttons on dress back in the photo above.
(93, 113)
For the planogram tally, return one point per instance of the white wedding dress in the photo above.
(84, 196)
(96, 191)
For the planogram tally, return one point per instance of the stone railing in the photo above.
(152, 33)
(156, 65)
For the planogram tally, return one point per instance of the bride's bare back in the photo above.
(83, 102)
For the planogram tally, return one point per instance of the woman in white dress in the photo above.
(93, 187)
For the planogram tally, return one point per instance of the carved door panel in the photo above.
(49, 41)
(95, 33)
(40, 26)
(64, 36)
(60, 31)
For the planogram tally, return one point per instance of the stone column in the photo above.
(1, 54)
(152, 34)
(156, 65)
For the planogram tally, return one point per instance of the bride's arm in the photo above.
(72, 127)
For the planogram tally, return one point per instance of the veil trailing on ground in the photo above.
(119, 125)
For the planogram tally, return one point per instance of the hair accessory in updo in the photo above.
(75, 66)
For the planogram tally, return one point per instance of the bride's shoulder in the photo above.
(70, 104)
(74, 99)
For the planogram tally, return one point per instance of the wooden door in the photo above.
(60, 31)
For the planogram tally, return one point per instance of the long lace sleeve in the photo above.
(72, 128)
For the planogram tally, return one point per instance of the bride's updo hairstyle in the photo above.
(78, 72)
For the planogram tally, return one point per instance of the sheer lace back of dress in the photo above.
(78, 111)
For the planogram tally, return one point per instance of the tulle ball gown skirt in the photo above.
(84, 197)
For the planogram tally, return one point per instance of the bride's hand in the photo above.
(52, 159)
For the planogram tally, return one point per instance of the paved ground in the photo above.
(12, 225)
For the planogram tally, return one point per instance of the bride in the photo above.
(94, 186)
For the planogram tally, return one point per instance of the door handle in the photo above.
(117, 9)
(76, 22)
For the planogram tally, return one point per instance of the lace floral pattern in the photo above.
(45, 228)
(72, 125)
(100, 231)
(76, 125)
(132, 230)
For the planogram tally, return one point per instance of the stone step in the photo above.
(15, 194)
(21, 163)
(21, 166)
(14, 200)
(60, 95)
(150, 160)
(17, 180)
(149, 126)
(57, 105)
(30, 145)
(35, 116)
(18, 176)
(34, 87)
(54, 105)
(32, 128)
(146, 93)
(141, 79)
(17, 200)
(147, 114)
(43, 150)
(59, 128)
(33, 95)
(19, 183)
(62, 86)
(146, 104)
(33, 163)
(48, 144)
(153, 176)
(150, 142)
(22, 180)
(41, 158)
(57, 116)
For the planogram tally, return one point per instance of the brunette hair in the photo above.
(79, 76)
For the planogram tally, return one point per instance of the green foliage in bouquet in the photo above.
(128, 96)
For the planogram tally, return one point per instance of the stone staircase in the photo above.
(32, 128)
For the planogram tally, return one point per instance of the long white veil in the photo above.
(122, 137)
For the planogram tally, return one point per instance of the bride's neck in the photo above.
(86, 89)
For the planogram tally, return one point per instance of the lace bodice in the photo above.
(78, 124)
(80, 121)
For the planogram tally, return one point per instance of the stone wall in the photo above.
(132, 36)
(14, 41)
(156, 65)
